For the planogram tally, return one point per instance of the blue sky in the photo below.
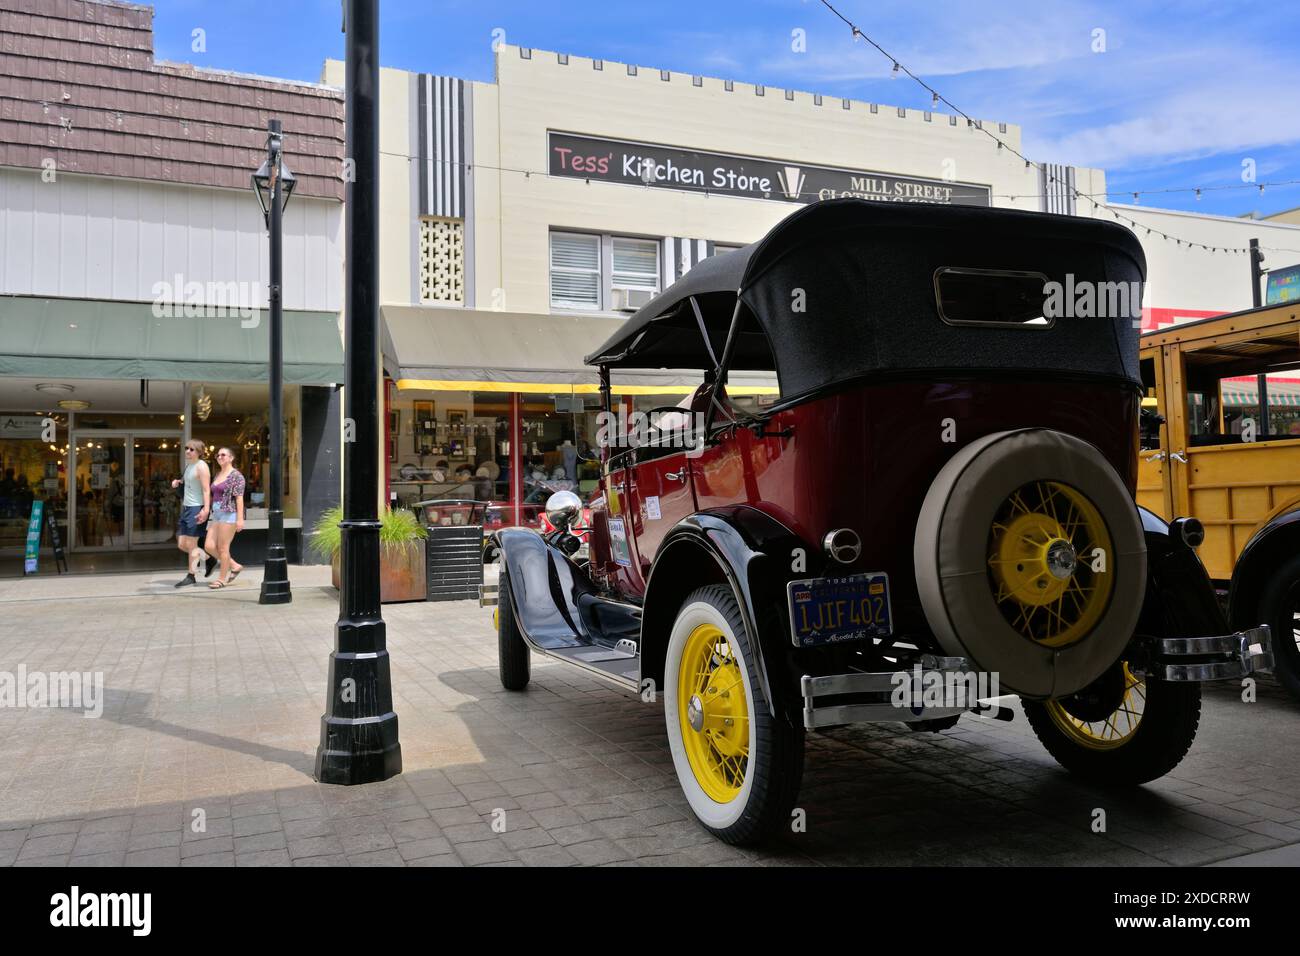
(1181, 96)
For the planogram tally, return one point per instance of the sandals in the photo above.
(217, 585)
(234, 574)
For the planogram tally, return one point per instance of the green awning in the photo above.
(81, 338)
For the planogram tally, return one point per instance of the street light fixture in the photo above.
(273, 184)
(262, 179)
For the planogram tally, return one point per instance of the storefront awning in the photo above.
(487, 351)
(80, 338)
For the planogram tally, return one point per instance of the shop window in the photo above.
(30, 469)
(560, 453)
(447, 447)
(235, 416)
(442, 261)
(595, 273)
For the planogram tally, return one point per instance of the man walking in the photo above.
(195, 507)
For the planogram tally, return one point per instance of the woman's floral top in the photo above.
(225, 492)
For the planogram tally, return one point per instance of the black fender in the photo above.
(1275, 543)
(751, 552)
(1180, 599)
(545, 589)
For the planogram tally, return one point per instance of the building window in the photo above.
(636, 264)
(575, 271)
(442, 261)
(596, 273)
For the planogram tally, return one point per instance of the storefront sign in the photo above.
(34, 538)
(21, 426)
(1283, 286)
(668, 167)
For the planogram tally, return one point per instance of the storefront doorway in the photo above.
(122, 499)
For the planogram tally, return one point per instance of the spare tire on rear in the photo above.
(1031, 561)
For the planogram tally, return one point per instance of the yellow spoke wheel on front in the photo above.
(1049, 563)
(714, 713)
(1111, 731)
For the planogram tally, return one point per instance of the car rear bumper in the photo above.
(1227, 657)
(898, 695)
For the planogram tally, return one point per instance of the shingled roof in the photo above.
(79, 85)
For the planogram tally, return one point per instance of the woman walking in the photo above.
(227, 516)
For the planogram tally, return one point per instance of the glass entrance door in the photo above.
(122, 494)
(155, 505)
(100, 492)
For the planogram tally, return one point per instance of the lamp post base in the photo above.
(358, 749)
(358, 732)
(275, 569)
(364, 750)
(275, 582)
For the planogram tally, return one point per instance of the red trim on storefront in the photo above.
(516, 459)
(389, 386)
(1158, 318)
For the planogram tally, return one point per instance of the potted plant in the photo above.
(401, 552)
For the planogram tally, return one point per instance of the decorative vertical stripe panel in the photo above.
(681, 255)
(442, 146)
(1057, 186)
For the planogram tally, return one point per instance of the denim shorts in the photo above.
(189, 523)
(222, 517)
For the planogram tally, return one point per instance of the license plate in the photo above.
(830, 610)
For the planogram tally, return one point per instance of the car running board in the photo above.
(615, 664)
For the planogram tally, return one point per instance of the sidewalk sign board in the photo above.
(56, 544)
(34, 537)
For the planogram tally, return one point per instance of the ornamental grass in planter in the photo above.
(401, 552)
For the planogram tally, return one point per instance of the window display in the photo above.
(236, 416)
(30, 469)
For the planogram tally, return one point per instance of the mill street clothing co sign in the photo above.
(668, 167)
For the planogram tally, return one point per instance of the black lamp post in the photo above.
(1257, 272)
(358, 735)
(273, 183)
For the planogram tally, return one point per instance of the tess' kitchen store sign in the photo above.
(617, 161)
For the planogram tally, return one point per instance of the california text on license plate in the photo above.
(830, 610)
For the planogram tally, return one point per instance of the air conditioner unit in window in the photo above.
(629, 300)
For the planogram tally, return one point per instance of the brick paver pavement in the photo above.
(212, 707)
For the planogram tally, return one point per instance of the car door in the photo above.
(657, 494)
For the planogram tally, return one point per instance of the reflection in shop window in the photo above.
(235, 416)
(30, 469)
(448, 446)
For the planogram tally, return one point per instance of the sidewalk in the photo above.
(212, 709)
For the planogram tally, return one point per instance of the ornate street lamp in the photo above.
(358, 734)
(273, 183)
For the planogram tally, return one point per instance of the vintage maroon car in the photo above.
(936, 511)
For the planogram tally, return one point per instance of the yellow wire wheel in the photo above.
(1030, 560)
(1097, 731)
(737, 758)
(713, 713)
(1049, 563)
